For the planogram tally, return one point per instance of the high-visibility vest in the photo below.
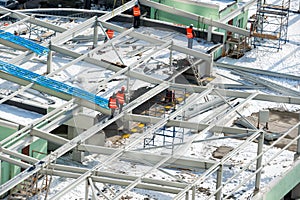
(189, 32)
(112, 103)
(110, 33)
(136, 11)
(121, 97)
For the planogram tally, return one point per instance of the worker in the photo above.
(113, 104)
(136, 15)
(109, 34)
(121, 98)
(190, 34)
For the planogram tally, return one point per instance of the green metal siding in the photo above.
(202, 11)
(285, 184)
(38, 149)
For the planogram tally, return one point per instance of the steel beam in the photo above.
(123, 180)
(49, 137)
(18, 15)
(61, 95)
(186, 124)
(19, 155)
(14, 162)
(256, 71)
(117, 11)
(195, 17)
(238, 11)
(153, 40)
(175, 162)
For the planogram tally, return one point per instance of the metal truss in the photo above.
(60, 115)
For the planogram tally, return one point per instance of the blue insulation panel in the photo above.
(36, 48)
(52, 84)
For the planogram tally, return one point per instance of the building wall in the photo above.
(186, 6)
(8, 170)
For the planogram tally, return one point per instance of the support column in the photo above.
(171, 54)
(86, 190)
(219, 182)
(187, 195)
(259, 162)
(194, 193)
(297, 154)
(49, 60)
(209, 33)
(95, 40)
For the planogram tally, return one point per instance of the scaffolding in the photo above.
(271, 24)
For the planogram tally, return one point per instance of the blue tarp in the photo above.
(52, 84)
(36, 48)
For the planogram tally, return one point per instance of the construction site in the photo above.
(94, 107)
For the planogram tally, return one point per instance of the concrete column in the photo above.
(74, 132)
(49, 60)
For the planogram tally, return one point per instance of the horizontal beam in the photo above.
(208, 21)
(153, 40)
(14, 162)
(257, 71)
(61, 95)
(186, 124)
(140, 157)
(49, 136)
(157, 186)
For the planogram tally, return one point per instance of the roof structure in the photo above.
(174, 119)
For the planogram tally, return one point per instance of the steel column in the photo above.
(219, 182)
(259, 161)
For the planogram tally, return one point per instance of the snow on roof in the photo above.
(285, 60)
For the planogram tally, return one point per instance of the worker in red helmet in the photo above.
(190, 34)
(109, 34)
(113, 104)
(136, 15)
(121, 98)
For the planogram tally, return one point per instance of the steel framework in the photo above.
(42, 127)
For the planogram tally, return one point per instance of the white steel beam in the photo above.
(19, 155)
(123, 180)
(41, 88)
(137, 156)
(195, 17)
(14, 162)
(148, 133)
(238, 11)
(117, 11)
(186, 124)
(49, 137)
(19, 15)
(153, 40)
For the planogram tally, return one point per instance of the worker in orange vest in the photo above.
(121, 98)
(190, 34)
(136, 15)
(113, 104)
(109, 34)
